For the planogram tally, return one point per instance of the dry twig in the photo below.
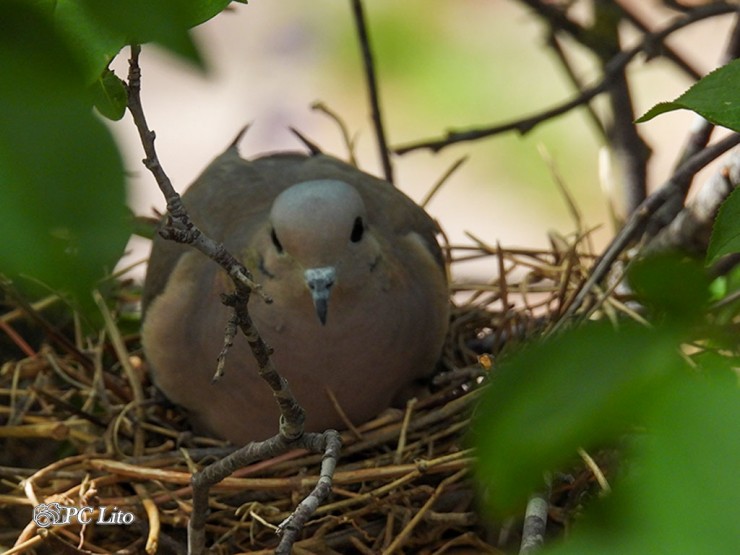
(611, 69)
(372, 87)
(180, 228)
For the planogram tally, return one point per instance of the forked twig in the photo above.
(611, 69)
(180, 228)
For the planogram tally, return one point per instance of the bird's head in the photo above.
(321, 227)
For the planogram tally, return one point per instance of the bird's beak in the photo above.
(320, 281)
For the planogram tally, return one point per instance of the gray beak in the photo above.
(320, 281)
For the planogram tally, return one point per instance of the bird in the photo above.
(360, 297)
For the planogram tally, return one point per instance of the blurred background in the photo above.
(441, 65)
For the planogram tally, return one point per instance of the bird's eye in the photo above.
(276, 241)
(358, 229)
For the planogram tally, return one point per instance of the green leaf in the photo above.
(93, 44)
(110, 96)
(687, 477)
(579, 389)
(62, 194)
(715, 97)
(98, 29)
(166, 22)
(726, 231)
(673, 286)
(726, 288)
(683, 489)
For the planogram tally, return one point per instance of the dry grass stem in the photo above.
(403, 481)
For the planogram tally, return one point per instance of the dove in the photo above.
(360, 295)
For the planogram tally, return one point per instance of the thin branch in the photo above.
(535, 523)
(701, 131)
(602, 39)
(630, 150)
(328, 443)
(348, 140)
(442, 180)
(559, 20)
(591, 38)
(637, 220)
(372, 86)
(180, 228)
(615, 65)
(691, 228)
(665, 50)
(291, 432)
(699, 135)
(554, 43)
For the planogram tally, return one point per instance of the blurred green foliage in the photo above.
(63, 215)
(676, 409)
(604, 385)
(64, 224)
(726, 233)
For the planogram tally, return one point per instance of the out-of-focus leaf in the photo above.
(98, 29)
(575, 390)
(683, 490)
(687, 478)
(726, 231)
(93, 44)
(715, 97)
(672, 285)
(62, 197)
(725, 288)
(110, 96)
(164, 21)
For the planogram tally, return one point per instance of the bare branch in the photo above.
(442, 180)
(147, 136)
(553, 41)
(630, 150)
(692, 227)
(611, 69)
(698, 138)
(328, 443)
(180, 228)
(291, 431)
(602, 38)
(558, 19)
(665, 50)
(639, 217)
(535, 523)
(591, 40)
(372, 86)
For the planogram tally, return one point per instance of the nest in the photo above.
(84, 427)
